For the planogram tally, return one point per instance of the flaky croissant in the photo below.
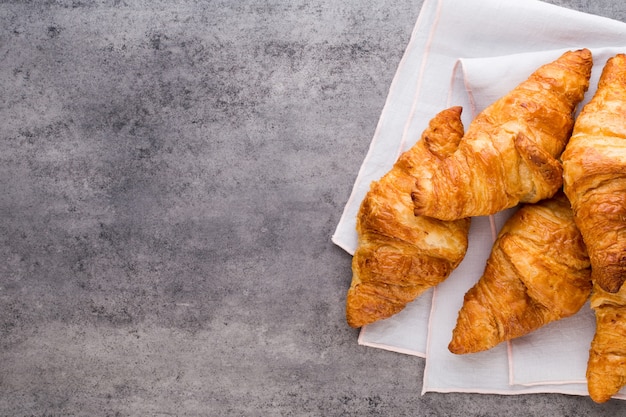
(509, 152)
(538, 272)
(606, 368)
(594, 172)
(399, 255)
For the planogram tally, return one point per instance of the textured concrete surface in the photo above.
(171, 174)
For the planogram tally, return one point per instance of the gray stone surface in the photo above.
(171, 173)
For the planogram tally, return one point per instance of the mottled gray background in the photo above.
(171, 173)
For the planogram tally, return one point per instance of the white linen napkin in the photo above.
(463, 52)
(552, 359)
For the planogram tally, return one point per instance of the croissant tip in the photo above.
(597, 390)
(353, 325)
(352, 318)
(455, 348)
(586, 52)
(456, 109)
(599, 399)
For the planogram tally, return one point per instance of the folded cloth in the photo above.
(551, 359)
(469, 53)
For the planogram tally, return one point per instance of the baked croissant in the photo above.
(399, 255)
(538, 272)
(509, 152)
(594, 172)
(606, 368)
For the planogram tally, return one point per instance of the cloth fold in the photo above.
(469, 53)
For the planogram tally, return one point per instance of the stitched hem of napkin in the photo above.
(384, 346)
(545, 389)
(542, 383)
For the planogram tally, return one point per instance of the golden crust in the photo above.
(538, 272)
(594, 165)
(509, 153)
(399, 255)
(606, 368)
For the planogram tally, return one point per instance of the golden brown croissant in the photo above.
(508, 154)
(538, 272)
(606, 368)
(399, 255)
(594, 172)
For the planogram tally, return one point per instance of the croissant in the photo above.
(509, 152)
(399, 255)
(594, 172)
(606, 368)
(538, 272)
